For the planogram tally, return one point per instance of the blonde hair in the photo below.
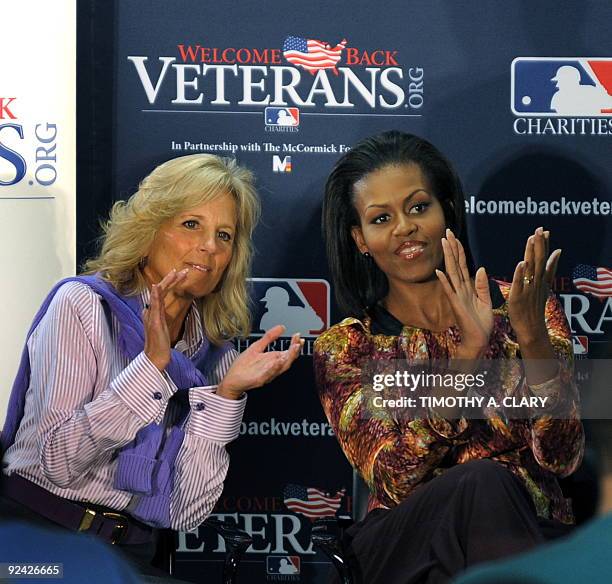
(173, 187)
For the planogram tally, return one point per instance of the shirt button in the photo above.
(200, 406)
(157, 395)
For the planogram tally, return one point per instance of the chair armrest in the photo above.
(230, 532)
(326, 534)
(329, 529)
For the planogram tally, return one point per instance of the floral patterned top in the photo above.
(396, 455)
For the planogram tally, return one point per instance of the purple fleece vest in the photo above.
(145, 466)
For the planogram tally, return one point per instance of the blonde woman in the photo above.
(128, 389)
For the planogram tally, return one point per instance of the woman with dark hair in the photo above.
(447, 489)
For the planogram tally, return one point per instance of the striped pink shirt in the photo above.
(85, 401)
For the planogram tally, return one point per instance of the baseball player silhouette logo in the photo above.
(301, 305)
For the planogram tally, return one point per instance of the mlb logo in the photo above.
(570, 86)
(282, 116)
(580, 344)
(281, 164)
(283, 565)
(301, 305)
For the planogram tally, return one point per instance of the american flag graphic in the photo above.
(594, 281)
(312, 55)
(311, 502)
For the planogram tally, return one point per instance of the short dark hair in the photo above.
(358, 282)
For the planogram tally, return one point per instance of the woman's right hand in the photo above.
(157, 334)
(471, 302)
(256, 367)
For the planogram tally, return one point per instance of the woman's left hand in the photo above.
(530, 289)
(256, 366)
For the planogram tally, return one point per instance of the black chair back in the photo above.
(361, 492)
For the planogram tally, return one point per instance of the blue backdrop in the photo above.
(286, 88)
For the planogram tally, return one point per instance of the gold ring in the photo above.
(527, 279)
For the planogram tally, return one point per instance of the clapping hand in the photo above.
(256, 367)
(157, 334)
(470, 301)
(531, 287)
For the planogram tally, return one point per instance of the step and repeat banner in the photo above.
(37, 166)
(517, 95)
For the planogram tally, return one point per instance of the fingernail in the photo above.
(539, 230)
(531, 239)
(184, 271)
